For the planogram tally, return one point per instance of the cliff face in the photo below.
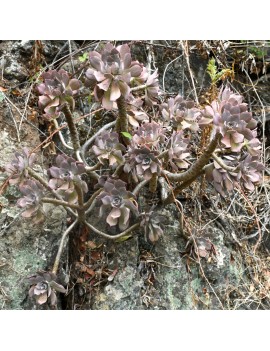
(215, 268)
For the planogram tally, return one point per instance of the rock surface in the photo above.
(148, 276)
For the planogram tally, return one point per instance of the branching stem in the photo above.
(113, 237)
(61, 246)
(72, 128)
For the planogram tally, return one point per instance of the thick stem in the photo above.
(163, 154)
(122, 120)
(222, 164)
(89, 202)
(61, 135)
(72, 128)
(59, 202)
(118, 170)
(61, 246)
(139, 87)
(197, 167)
(153, 183)
(163, 189)
(81, 211)
(113, 237)
(139, 187)
(179, 188)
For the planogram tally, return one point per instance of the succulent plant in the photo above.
(66, 175)
(111, 72)
(43, 287)
(250, 171)
(152, 89)
(149, 135)
(57, 90)
(107, 147)
(204, 247)
(253, 146)
(199, 247)
(135, 113)
(17, 167)
(178, 151)
(222, 180)
(231, 118)
(152, 222)
(142, 162)
(181, 113)
(119, 201)
(33, 193)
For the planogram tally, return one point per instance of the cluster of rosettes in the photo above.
(113, 72)
(231, 118)
(56, 91)
(182, 114)
(66, 176)
(147, 142)
(141, 157)
(118, 201)
(32, 191)
(246, 171)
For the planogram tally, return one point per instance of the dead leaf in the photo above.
(111, 277)
(90, 245)
(90, 271)
(95, 255)
(2, 89)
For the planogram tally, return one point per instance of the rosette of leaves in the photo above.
(43, 287)
(56, 90)
(17, 167)
(232, 119)
(108, 148)
(31, 201)
(222, 180)
(177, 151)
(149, 135)
(253, 146)
(66, 175)
(152, 89)
(119, 202)
(200, 248)
(142, 162)
(250, 171)
(135, 113)
(182, 113)
(152, 223)
(111, 72)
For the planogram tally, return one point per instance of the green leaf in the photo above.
(84, 57)
(127, 135)
(212, 70)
